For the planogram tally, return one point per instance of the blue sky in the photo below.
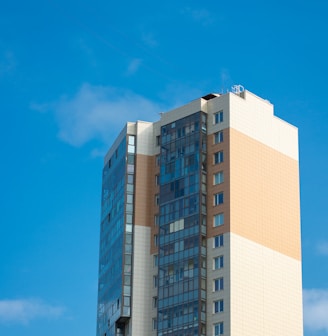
(73, 72)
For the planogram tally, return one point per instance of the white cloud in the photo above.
(87, 51)
(98, 152)
(149, 40)
(133, 67)
(39, 107)
(178, 94)
(202, 15)
(322, 248)
(226, 81)
(25, 310)
(98, 112)
(7, 62)
(315, 305)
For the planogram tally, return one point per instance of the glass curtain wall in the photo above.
(182, 256)
(116, 236)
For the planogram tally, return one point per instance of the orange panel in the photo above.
(264, 195)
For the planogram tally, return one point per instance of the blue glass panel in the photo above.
(179, 242)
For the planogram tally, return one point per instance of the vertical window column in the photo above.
(129, 209)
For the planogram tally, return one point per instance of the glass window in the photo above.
(131, 149)
(218, 219)
(218, 241)
(130, 168)
(154, 323)
(130, 179)
(218, 117)
(218, 262)
(218, 157)
(203, 199)
(129, 188)
(128, 238)
(127, 280)
(129, 218)
(131, 139)
(218, 306)
(218, 329)
(155, 260)
(218, 137)
(218, 284)
(129, 207)
(129, 198)
(218, 178)
(218, 198)
(126, 301)
(155, 302)
(130, 159)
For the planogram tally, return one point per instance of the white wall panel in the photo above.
(142, 281)
(254, 117)
(265, 289)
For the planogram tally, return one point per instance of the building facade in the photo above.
(200, 223)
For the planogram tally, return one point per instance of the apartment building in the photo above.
(200, 223)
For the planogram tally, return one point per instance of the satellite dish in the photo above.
(237, 89)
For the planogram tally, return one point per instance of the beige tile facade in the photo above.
(144, 190)
(262, 243)
(265, 291)
(264, 195)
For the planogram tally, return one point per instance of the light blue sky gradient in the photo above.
(73, 72)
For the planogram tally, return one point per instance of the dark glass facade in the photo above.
(182, 236)
(116, 239)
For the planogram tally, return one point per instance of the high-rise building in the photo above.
(200, 223)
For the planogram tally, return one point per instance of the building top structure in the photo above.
(251, 115)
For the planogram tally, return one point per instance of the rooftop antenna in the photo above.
(237, 89)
